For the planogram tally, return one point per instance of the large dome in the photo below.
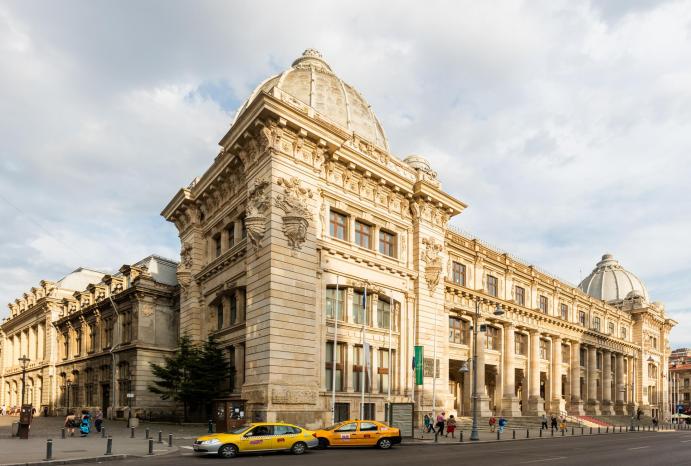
(610, 281)
(311, 81)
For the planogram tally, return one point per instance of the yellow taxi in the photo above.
(359, 433)
(261, 436)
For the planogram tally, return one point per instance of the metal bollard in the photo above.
(639, 428)
(607, 430)
(498, 436)
(514, 434)
(151, 446)
(49, 449)
(552, 435)
(591, 431)
(211, 426)
(581, 430)
(160, 437)
(620, 429)
(170, 440)
(527, 433)
(460, 439)
(131, 432)
(103, 432)
(598, 430)
(541, 432)
(436, 434)
(146, 433)
(109, 446)
(62, 433)
(573, 431)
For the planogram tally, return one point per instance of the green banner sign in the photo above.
(419, 365)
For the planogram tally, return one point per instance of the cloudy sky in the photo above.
(565, 125)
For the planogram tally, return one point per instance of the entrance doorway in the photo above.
(105, 397)
(342, 412)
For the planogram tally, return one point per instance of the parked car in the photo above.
(359, 433)
(262, 436)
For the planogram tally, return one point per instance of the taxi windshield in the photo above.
(332, 427)
(238, 430)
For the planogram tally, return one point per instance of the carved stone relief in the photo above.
(433, 265)
(297, 214)
(258, 200)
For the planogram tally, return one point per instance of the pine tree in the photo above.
(210, 374)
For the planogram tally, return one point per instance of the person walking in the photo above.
(98, 420)
(441, 419)
(554, 422)
(70, 423)
(451, 426)
(562, 425)
(492, 423)
(85, 424)
(502, 423)
(543, 426)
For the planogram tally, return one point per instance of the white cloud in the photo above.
(563, 124)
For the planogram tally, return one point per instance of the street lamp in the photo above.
(24, 361)
(498, 311)
(68, 385)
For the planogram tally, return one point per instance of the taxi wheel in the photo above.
(384, 443)
(298, 448)
(228, 451)
(323, 443)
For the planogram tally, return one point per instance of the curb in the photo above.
(469, 442)
(89, 459)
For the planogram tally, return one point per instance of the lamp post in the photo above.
(68, 385)
(474, 435)
(24, 361)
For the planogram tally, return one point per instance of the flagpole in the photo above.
(362, 373)
(333, 360)
(388, 393)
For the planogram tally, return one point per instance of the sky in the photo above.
(565, 125)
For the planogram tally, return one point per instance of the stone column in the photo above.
(483, 398)
(535, 403)
(558, 404)
(576, 404)
(620, 385)
(607, 404)
(593, 405)
(509, 402)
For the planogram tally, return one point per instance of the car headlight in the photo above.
(213, 441)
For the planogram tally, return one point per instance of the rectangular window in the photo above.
(492, 285)
(521, 342)
(78, 338)
(611, 328)
(340, 364)
(596, 323)
(492, 338)
(564, 311)
(243, 228)
(335, 302)
(581, 318)
(520, 295)
(231, 235)
(233, 308)
(384, 366)
(544, 350)
(338, 225)
(458, 331)
(458, 273)
(126, 327)
(383, 314)
(231, 368)
(358, 370)
(623, 333)
(219, 316)
(543, 304)
(583, 356)
(387, 243)
(217, 245)
(66, 345)
(363, 235)
(358, 307)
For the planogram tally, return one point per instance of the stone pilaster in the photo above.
(558, 404)
(576, 404)
(607, 404)
(535, 402)
(620, 385)
(509, 403)
(593, 405)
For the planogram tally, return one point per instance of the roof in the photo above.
(610, 282)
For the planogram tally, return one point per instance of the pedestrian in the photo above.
(502, 423)
(639, 413)
(544, 423)
(655, 421)
(451, 426)
(441, 419)
(84, 424)
(492, 423)
(4, 410)
(70, 423)
(98, 419)
(554, 421)
(562, 425)
(45, 411)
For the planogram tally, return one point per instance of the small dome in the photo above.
(611, 282)
(418, 163)
(311, 81)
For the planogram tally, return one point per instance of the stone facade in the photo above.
(305, 196)
(90, 338)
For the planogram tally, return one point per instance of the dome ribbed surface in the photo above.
(610, 281)
(311, 81)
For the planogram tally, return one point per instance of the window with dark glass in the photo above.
(358, 307)
(564, 311)
(243, 228)
(387, 243)
(596, 323)
(217, 245)
(231, 234)
(338, 367)
(521, 343)
(492, 285)
(583, 357)
(383, 369)
(383, 314)
(363, 235)
(544, 350)
(458, 330)
(492, 338)
(520, 295)
(219, 316)
(458, 273)
(338, 225)
(544, 304)
(623, 332)
(581, 318)
(611, 328)
(233, 308)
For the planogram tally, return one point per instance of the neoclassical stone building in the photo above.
(90, 338)
(305, 220)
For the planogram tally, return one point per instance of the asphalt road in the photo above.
(643, 448)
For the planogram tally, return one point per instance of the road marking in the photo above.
(544, 459)
(638, 448)
(684, 441)
(185, 446)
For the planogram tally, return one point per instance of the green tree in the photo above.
(210, 374)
